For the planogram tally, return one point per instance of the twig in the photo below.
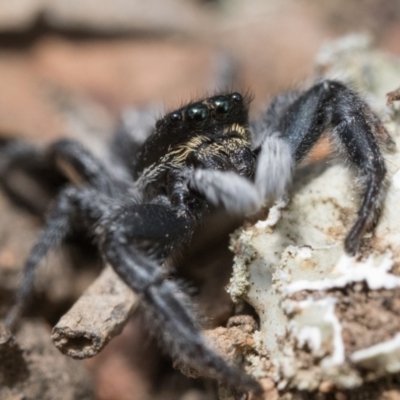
(99, 315)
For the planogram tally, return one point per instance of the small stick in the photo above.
(98, 315)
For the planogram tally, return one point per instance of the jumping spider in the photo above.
(199, 158)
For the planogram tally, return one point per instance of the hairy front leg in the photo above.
(331, 107)
(240, 195)
(167, 308)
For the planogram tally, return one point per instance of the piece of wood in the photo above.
(98, 315)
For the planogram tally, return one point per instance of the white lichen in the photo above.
(292, 267)
(348, 271)
(383, 356)
(274, 215)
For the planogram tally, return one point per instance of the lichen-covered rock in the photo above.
(328, 320)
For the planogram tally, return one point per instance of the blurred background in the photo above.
(109, 55)
(72, 67)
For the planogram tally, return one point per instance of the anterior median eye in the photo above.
(198, 112)
(222, 105)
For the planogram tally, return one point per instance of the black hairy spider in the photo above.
(198, 158)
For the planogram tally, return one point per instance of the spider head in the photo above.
(178, 133)
(213, 117)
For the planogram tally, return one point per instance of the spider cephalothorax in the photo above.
(196, 159)
(210, 134)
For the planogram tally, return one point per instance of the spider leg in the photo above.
(239, 195)
(166, 307)
(82, 167)
(269, 121)
(27, 177)
(235, 193)
(331, 105)
(73, 160)
(16, 152)
(274, 168)
(136, 126)
(58, 225)
(121, 230)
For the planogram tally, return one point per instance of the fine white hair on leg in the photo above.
(274, 168)
(235, 193)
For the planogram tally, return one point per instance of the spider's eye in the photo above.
(175, 117)
(198, 112)
(237, 97)
(222, 105)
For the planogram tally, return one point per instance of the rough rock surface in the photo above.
(327, 320)
(32, 368)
